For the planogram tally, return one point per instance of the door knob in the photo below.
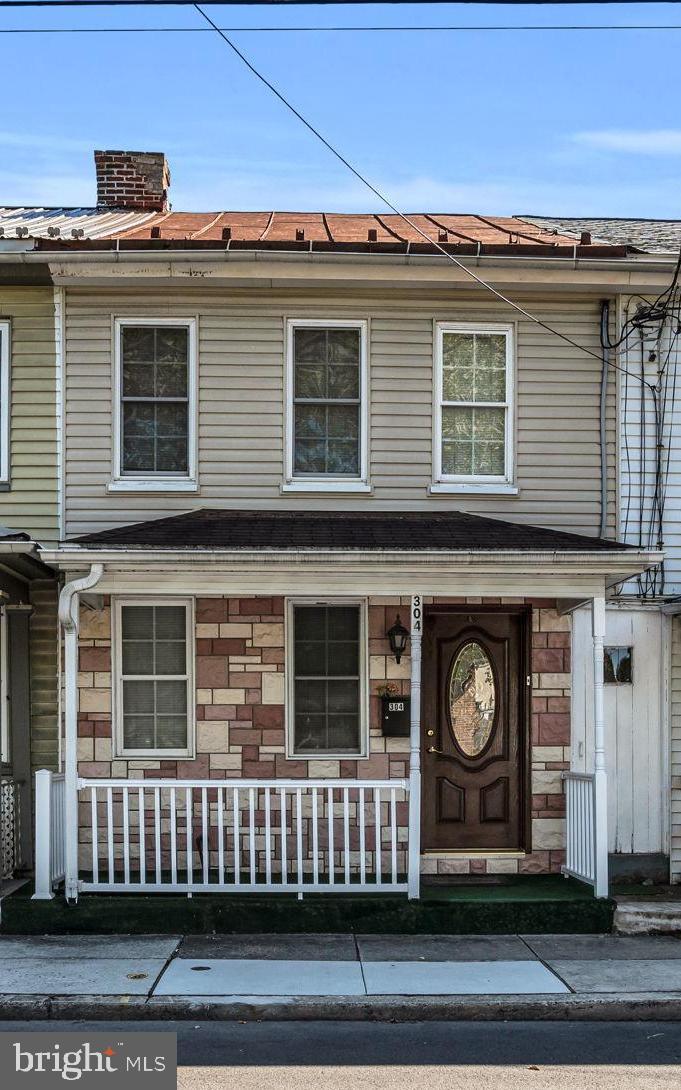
(440, 752)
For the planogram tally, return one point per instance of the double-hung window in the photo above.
(474, 406)
(326, 673)
(153, 694)
(327, 406)
(155, 426)
(4, 401)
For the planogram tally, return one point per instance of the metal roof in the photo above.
(55, 227)
(17, 223)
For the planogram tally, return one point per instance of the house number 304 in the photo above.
(416, 614)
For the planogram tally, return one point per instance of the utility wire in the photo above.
(276, 3)
(385, 200)
(322, 29)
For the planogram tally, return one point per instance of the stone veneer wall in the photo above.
(240, 716)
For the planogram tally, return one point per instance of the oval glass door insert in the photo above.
(472, 699)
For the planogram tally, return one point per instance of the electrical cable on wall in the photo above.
(651, 332)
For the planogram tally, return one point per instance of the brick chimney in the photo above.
(136, 180)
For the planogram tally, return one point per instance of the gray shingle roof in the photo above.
(650, 236)
(448, 531)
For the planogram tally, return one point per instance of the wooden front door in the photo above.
(474, 733)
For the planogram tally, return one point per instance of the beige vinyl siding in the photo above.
(241, 402)
(43, 653)
(31, 502)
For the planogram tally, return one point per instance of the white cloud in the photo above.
(635, 141)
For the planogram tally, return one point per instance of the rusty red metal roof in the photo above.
(338, 227)
(110, 228)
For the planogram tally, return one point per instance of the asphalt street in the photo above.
(378, 1056)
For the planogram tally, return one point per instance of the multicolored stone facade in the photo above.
(240, 727)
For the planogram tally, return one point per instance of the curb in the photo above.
(643, 1006)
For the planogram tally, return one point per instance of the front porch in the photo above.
(244, 810)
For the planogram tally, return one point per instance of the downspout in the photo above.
(605, 342)
(68, 617)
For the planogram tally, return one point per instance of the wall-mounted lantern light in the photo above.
(398, 636)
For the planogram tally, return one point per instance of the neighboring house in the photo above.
(29, 514)
(288, 439)
(643, 696)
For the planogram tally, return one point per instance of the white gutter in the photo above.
(209, 557)
(68, 616)
(18, 546)
(644, 262)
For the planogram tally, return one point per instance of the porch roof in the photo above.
(411, 531)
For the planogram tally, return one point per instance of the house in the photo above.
(29, 517)
(330, 506)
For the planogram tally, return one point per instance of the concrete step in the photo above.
(636, 917)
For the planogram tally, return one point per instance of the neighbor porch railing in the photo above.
(580, 857)
(9, 801)
(50, 828)
(162, 835)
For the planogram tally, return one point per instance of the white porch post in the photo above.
(43, 836)
(600, 776)
(415, 750)
(68, 615)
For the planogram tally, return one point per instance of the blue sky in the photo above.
(547, 122)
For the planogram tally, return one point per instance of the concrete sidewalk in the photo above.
(340, 976)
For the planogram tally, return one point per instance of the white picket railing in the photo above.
(163, 835)
(49, 832)
(580, 858)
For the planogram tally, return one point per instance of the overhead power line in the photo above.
(393, 208)
(329, 29)
(278, 3)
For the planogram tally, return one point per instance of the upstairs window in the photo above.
(156, 403)
(474, 404)
(327, 404)
(4, 402)
(326, 678)
(154, 688)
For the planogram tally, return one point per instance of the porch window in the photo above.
(326, 416)
(473, 405)
(155, 418)
(617, 665)
(326, 679)
(4, 402)
(153, 685)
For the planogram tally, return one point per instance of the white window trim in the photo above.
(474, 484)
(5, 401)
(117, 680)
(325, 483)
(155, 482)
(291, 752)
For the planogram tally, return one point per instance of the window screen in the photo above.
(326, 402)
(154, 677)
(154, 400)
(474, 404)
(327, 685)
